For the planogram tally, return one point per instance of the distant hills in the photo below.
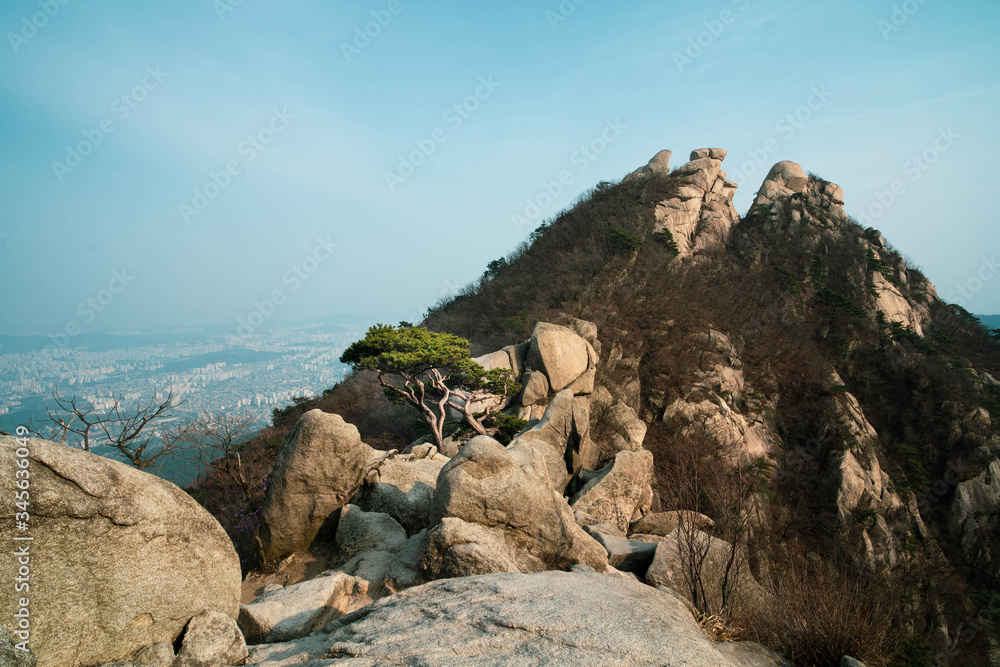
(990, 321)
(100, 342)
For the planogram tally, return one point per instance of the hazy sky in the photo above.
(119, 121)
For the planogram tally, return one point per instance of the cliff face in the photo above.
(791, 343)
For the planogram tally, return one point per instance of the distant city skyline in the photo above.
(205, 371)
(246, 163)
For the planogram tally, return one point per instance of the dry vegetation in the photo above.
(797, 298)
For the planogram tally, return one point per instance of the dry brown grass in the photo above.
(722, 628)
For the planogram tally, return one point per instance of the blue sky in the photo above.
(310, 127)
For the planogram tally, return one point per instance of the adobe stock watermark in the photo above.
(88, 309)
(449, 288)
(807, 453)
(454, 117)
(225, 7)
(714, 28)
(562, 12)
(937, 491)
(248, 151)
(21, 550)
(900, 16)
(551, 191)
(30, 25)
(122, 107)
(295, 277)
(988, 269)
(364, 35)
(985, 618)
(786, 127)
(913, 169)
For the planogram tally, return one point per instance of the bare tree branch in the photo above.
(127, 431)
(215, 442)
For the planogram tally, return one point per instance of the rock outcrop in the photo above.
(557, 358)
(893, 305)
(664, 523)
(511, 358)
(320, 465)
(211, 638)
(712, 397)
(621, 492)
(379, 550)
(557, 618)
(562, 437)
(688, 555)
(119, 558)
(402, 487)
(295, 611)
(805, 289)
(698, 211)
(976, 518)
(559, 353)
(496, 508)
(785, 179)
(658, 165)
(617, 427)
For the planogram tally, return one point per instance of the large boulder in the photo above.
(119, 558)
(558, 352)
(713, 153)
(688, 554)
(211, 638)
(562, 437)
(584, 329)
(536, 388)
(975, 518)
(402, 488)
(295, 611)
(359, 531)
(510, 357)
(621, 492)
(549, 618)
(508, 495)
(701, 173)
(460, 548)
(616, 427)
(499, 359)
(658, 165)
(379, 550)
(664, 523)
(789, 175)
(626, 555)
(783, 180)
(320, 465)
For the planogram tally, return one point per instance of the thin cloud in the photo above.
(956, 96)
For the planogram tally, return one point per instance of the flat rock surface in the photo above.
(559, 618)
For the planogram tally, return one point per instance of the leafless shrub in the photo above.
(128, 430)
(817, 614)
(216, 442)
(232, 487)
(695, 471)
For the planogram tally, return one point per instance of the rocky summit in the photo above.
(755, 439)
